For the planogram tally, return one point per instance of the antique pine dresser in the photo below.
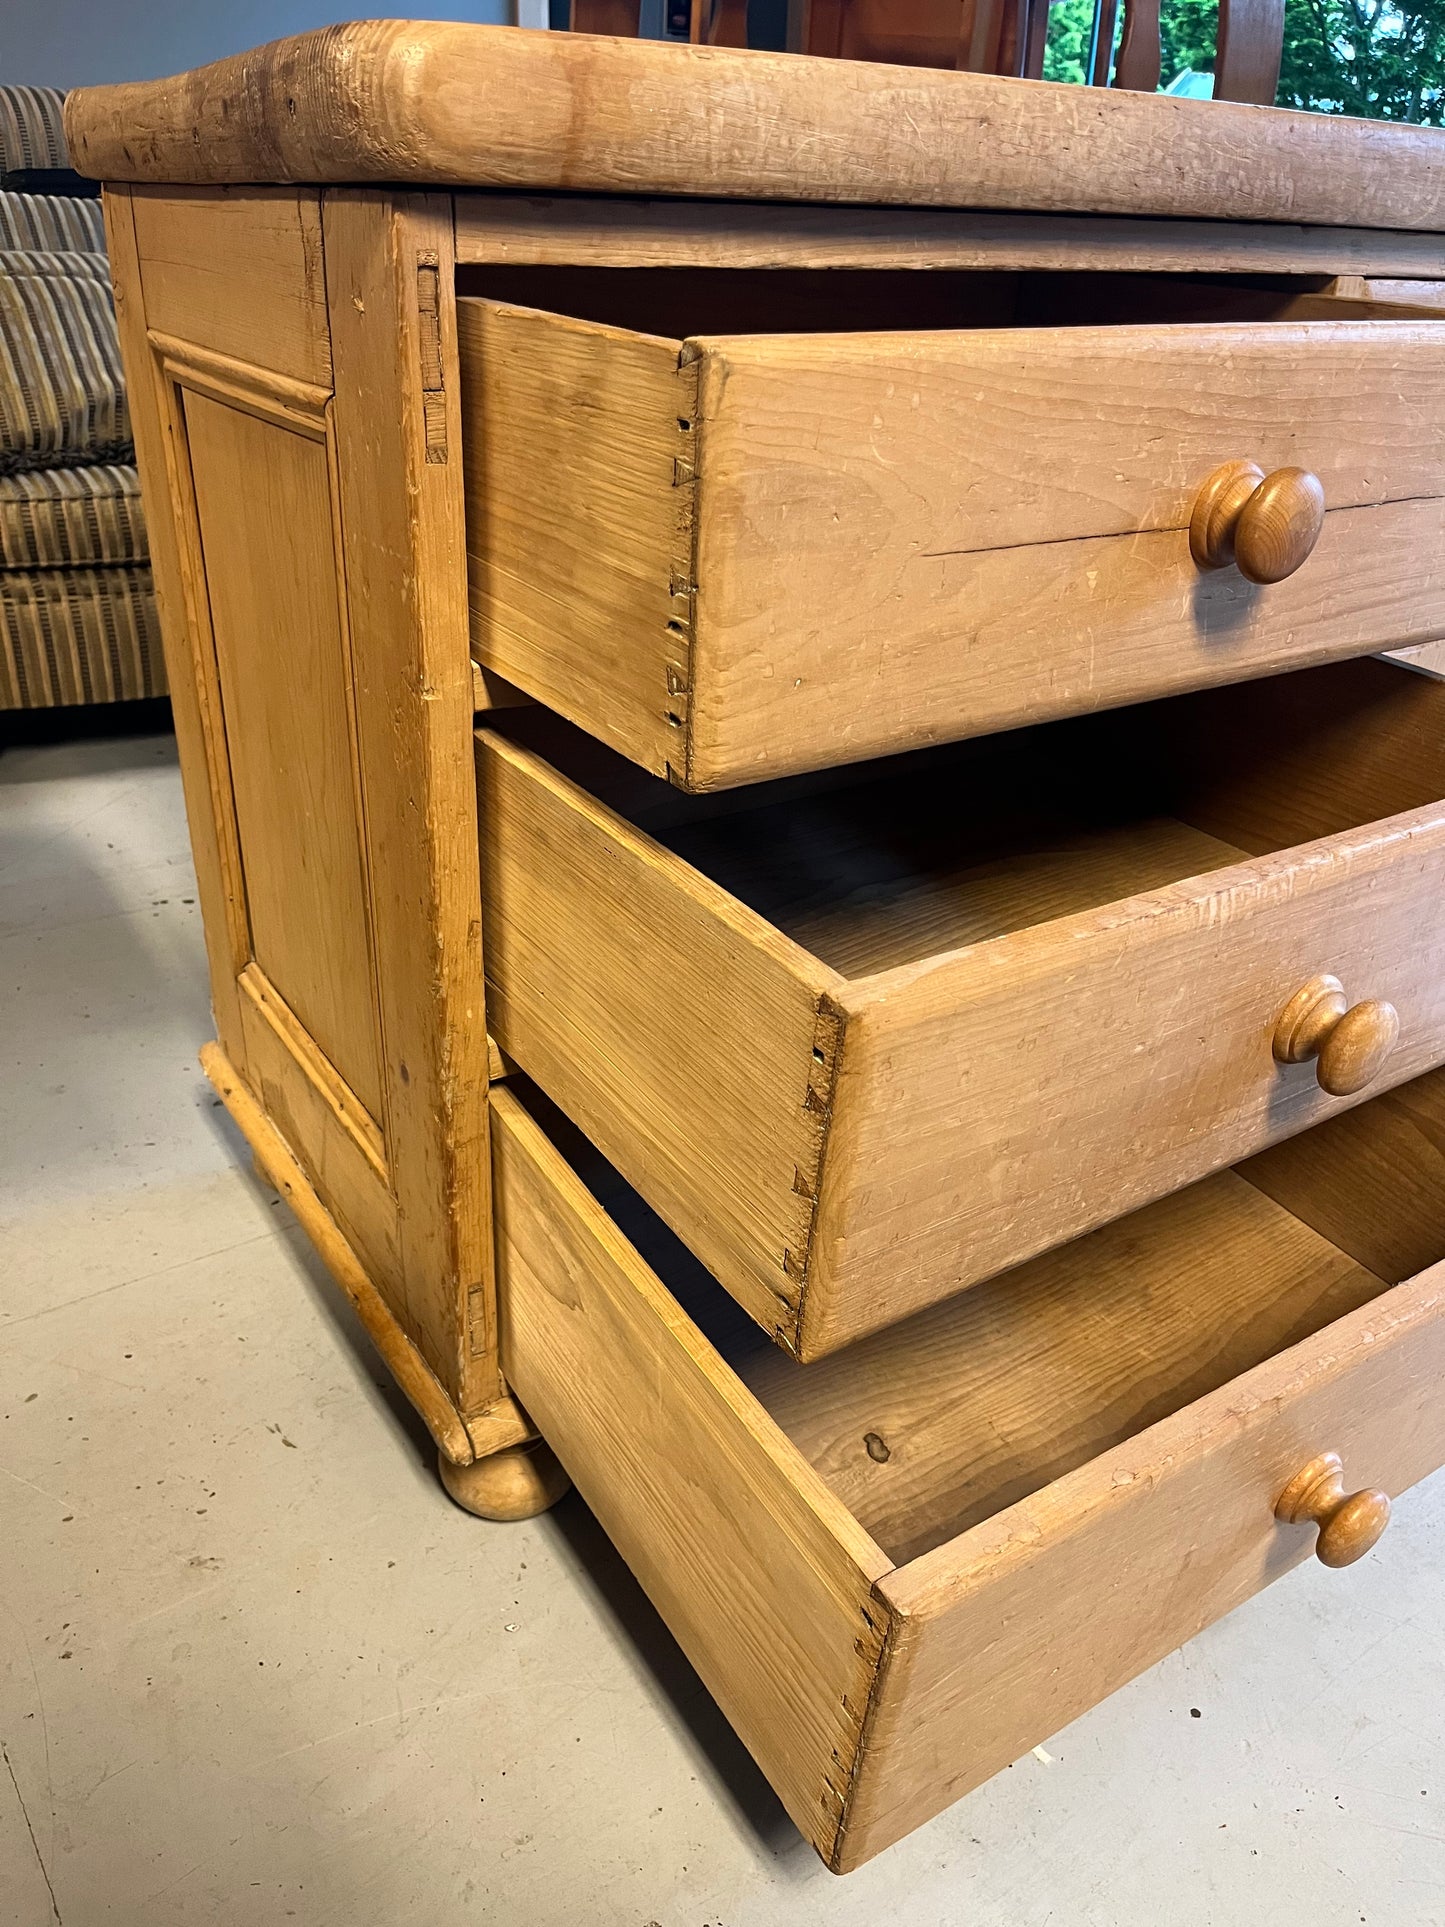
(872, 627)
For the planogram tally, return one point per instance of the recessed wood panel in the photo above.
(280, 650)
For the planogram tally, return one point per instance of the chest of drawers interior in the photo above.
(1030, 895)
(958, 818)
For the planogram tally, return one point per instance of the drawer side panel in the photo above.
(579, 489)
(762, 1576)
(679, 1030)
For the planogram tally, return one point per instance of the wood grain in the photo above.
(1380, 287)
(490, 691)
(287, 505)
(1001, 1637)
(339, 1165)
(672, 1024)
(577, 527)
(1000, 1099)
(285, 684)
(1136, 66)
(397, 420)
(930, 1427)
(262, 1000)
(239, 270)
(1251, 41)
(1078, 1004)
(1135, 1404)
(1048, 434)
(543, 229)
(865, 897)
(1306, 755)
(1078, 626)
(760, 1573)
(958, 494)
(156, 429)
(1371, 1180)
(463, 105)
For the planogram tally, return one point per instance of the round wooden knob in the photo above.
(1265, 524)
(1349, 1523)
(1349, 1043)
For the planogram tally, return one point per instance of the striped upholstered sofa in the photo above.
(77, 607)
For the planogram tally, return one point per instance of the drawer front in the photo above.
(741, 556)
(1004, 1636)
(1008, 1097)
(903, 540)
(874, 1694)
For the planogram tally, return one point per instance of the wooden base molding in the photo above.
(459, 1440)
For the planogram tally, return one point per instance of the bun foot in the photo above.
(515, 1484)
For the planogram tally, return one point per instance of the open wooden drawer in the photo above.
(899, 1569)
(735, 542)
(865, 1042)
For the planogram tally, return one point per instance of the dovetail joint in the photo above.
(870, 1649)
(681, 574)
(818, 1115)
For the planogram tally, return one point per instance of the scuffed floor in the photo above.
(254, 1666)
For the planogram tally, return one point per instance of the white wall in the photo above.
(76, 43)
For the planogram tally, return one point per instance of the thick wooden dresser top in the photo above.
(469, 106)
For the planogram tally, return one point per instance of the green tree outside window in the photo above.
(1362, 57)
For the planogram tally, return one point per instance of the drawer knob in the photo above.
(1349, 1523)
(1265, 524)
(1350, 1043)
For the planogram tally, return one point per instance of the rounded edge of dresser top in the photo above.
(457, 104)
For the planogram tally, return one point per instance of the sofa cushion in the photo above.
(54, 518)
(34, 156)
(32, 129)
(62, 390)
(78, 636)
(55, 223)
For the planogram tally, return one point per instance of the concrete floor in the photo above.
(254, 1667)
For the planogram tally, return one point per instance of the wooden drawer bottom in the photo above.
(901, 1567)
